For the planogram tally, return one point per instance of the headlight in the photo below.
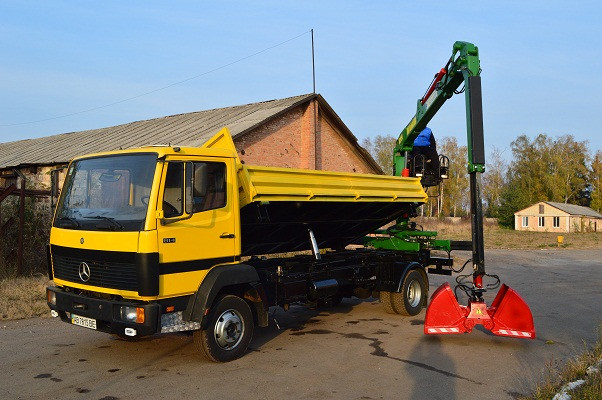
(51, 297)
(132, 314)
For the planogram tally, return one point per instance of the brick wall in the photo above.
(338, 154)
(37, 177)
(289, 141)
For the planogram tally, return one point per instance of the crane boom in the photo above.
(462, 67)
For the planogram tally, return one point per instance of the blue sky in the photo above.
(541, 62)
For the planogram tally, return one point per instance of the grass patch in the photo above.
(501, 238)
(23, 297)
(574, 370)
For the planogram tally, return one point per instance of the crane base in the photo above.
(508, 315)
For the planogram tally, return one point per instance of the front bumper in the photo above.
(105, 312)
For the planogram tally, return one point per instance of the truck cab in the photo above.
(122, 228)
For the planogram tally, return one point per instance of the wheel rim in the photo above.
(229, 329)
(414, 294)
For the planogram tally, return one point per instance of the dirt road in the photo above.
(352, 351)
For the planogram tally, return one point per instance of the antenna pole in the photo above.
(313, 64)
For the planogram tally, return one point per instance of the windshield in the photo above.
(107, 193)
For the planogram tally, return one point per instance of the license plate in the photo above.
(83, 321)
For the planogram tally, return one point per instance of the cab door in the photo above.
(207, 234)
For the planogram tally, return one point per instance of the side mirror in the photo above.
(187, 184)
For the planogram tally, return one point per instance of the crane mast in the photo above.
(509, 315)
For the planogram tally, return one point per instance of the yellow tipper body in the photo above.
(285, 184)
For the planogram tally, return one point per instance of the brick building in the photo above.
(297, 132)
(548, 216)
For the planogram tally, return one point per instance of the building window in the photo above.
(525, 222)
(541, 222)
(556, 222)
(541, 208)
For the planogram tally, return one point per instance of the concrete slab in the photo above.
(352, 351)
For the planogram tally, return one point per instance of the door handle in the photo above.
(226, 235)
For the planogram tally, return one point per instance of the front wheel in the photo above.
(229, 331)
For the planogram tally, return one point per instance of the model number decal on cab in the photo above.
(169, 240)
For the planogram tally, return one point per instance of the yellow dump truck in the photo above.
(164, 239)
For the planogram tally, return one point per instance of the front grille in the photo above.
(103, 273)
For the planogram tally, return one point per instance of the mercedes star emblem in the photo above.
(84, 272)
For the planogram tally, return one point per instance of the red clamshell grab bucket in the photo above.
(508, 315)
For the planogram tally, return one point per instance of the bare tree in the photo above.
(381, 149)
(454, 191)
(494, 181)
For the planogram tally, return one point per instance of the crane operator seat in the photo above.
(424, 160)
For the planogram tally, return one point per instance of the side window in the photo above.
(173, 197)
(209, 187)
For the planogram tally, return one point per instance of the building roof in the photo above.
(574, 209)
(571, 209)
(190, 129)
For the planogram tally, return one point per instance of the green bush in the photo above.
(38, 218)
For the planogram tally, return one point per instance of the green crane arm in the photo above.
(462, 67)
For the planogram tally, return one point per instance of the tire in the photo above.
(412, 296)
(229, 331)
(385, 300)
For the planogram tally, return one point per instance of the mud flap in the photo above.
(509, 315)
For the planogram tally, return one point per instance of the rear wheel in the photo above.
(385, 300)
(412, 296)
(229, 331)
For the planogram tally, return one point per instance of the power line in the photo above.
(161, 88)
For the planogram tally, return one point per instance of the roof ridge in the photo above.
(165, 117)
(585, 210)
(186, 129)
(248, 104)
(565, 204)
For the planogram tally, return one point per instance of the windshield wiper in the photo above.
(112, 220)
(72, 220)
